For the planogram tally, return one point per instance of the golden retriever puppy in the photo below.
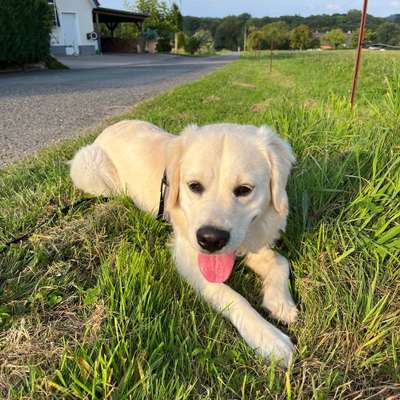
(226, 197)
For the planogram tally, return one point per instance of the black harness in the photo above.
(163, 192)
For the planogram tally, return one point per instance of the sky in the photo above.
(273, 8)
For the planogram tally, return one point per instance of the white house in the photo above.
(76, 25)
(73, 27)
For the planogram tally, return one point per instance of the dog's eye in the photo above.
(242, 190)
(196, 187)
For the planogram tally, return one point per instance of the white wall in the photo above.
(83, 10)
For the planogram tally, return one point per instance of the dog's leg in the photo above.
(274, 272)
(259, 334)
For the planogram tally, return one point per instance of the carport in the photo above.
(111, 18)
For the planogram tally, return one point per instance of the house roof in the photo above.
(96, 3)
(110, 15)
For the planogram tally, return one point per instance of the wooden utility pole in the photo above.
(358, 56)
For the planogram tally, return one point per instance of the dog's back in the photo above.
(125, 157)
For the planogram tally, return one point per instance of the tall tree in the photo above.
(176, 22)
(388, 33)
(255, 40)
(229, 33)
(176, 18)
(334, 37)
(166, 20)
(275, 35)
(300, 37)
(369, 36)
(157, 10)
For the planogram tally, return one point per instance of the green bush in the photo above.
(25, 27)
(164, 42)
(151, 35)
(206, 40)
(192, 44)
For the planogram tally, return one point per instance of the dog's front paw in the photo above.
(280, 305)
(275, 345)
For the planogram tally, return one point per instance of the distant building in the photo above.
(326, 47)
(73, 21)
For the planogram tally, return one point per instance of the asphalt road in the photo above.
(39, 108)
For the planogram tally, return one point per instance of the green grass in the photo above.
(53, 63)
(92, 308)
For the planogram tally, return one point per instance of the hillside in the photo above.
(228, 32)
(322, 23)
(394, 18)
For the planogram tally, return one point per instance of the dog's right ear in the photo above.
(173, 161)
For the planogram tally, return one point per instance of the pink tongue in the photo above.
(216, 268)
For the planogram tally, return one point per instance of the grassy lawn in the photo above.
(92, 308)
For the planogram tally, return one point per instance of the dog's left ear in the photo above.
(280, 157)
(173, 158)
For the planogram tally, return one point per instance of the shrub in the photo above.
(192, 44)
(151, 35)
(334, 37)
(25, 27)
(164, 42)
(206, 40)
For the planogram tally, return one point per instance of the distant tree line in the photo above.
(197, 34)
(294, 31)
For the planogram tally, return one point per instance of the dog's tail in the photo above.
(93, 172)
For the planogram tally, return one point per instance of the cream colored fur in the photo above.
(131, 157)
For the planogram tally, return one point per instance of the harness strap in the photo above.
(163, 191)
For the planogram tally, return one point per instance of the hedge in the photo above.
(25, 27)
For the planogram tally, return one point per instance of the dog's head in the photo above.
(227, 190)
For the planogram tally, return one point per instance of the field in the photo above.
(92, 308)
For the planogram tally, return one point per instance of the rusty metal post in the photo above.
(358, 56)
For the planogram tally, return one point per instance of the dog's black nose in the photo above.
(212, 239)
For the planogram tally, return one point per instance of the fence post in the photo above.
(358, 56)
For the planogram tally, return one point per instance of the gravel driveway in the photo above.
(38, 108)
